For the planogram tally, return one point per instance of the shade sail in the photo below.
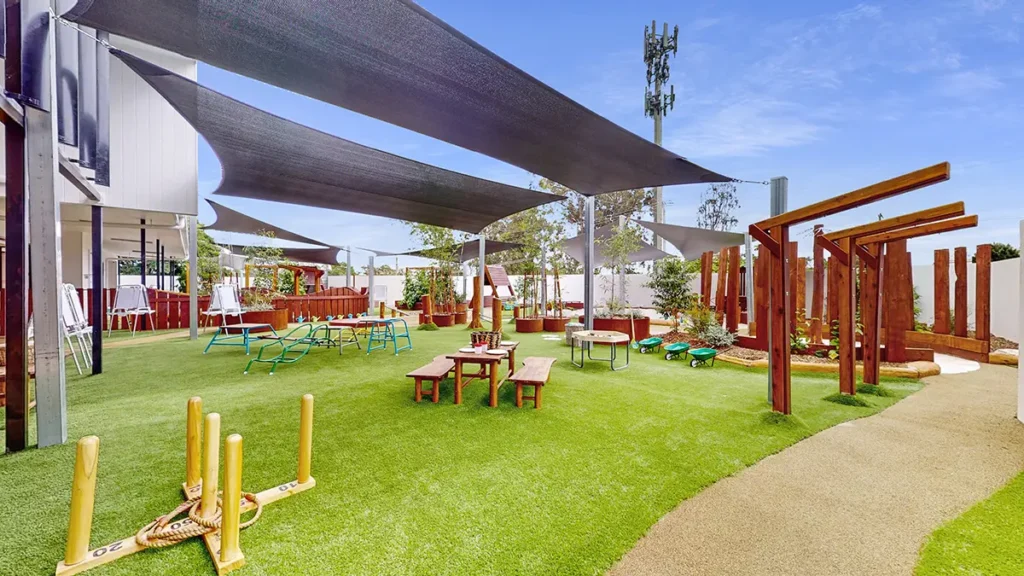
(692, 242)
(328, 255)
(269, 158)
(394, 61)
(229, 220)
(470, 250)
(575, 248)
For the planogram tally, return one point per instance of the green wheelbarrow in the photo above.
(649, 344)
(675, 350)
(702, 355)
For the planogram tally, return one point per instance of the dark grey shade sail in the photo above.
(328, 255)
(692, 242)
(267, 157)
(229, 220)
(470, 250)
(378, 253)
(575, 247)
(394, 61)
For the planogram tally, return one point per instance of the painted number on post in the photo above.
(112, 548)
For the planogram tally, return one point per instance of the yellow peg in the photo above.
(230, 552)
(83, 496)
(193, 442)
(305, 438)
(211, 464)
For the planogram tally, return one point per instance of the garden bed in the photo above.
(530, 325)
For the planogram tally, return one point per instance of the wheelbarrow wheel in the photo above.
(643, 350)
(694, 363)
(669, 356)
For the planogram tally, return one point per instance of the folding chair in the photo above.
(224, 302)
(130, 301)
(74, 325)
(293, 346)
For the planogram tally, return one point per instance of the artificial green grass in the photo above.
(406, 488)
(847, 400)
(987, 539)
(873, 390)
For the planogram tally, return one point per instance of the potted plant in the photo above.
(670, 282)
(444, 249)
(528, 320)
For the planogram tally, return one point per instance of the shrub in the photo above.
(416, 286)
(717, 337)
(701, 318)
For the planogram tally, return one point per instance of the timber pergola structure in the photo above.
(773, 234)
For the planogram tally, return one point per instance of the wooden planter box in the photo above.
(276, 318)
(555, 324)
(443, 320)
(460, 317)
(642, 326)
(529, 325)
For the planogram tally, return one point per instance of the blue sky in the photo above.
(833, 95)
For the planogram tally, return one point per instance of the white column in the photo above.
(1020, 371)
(45, 256)
(369, 279)
(193, 278)
(348, 267)
(588, 263)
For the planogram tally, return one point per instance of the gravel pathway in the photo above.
(859, 498)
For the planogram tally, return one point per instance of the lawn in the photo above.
(406, 488)
(987, 539)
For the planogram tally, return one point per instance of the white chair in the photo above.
(224, 302)
(130, 301)
(74, 325)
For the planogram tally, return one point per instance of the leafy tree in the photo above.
(718, 207)
(617, 248)
(339, 269)
(670, 282)
(264, 258)
(1002, 251)
(536, 229)
(207, 261)
(443, 247)
(382, 270)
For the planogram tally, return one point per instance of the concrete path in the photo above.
(859, 498)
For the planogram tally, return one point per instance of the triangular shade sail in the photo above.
(470, 250)
(575, 248)
(229, 220)
(692, 242)
(327, 255)
(394, 61)
(269, 158)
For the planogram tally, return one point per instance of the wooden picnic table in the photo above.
(490, 364)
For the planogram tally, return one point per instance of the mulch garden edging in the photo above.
(914, 370)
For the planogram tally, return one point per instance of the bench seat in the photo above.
(535, 372)
(434, 372)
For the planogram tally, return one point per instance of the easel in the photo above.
(222, 543)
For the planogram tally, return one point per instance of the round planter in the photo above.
(444, 320)
(555, 324)
(461, 307)
(529, 325)
(641, 325)
(460, 317)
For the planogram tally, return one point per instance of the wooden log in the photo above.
(496, 321)
(983, 293)
(732, 306)
(779, 350)
(870, 314)
(791, 256)
(478, 304)
(847, 321)
(801, 289)
(817, 289)
(941, 300)
(960, 292)
(723, 264)
(904, 221)
(706, 270)
(898, 299)
(833, 297)
(762, 281)
(923, 230)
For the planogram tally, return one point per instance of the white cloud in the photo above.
(969, 84)
(746, 128)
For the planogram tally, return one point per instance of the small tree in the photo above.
(264, 259)
(1002, 251)
(718, 207)
(617, 248)
(207, 264)
(443, 247)
(670, 281)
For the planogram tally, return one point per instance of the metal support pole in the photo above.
(543, 281)
(779, 202)
(193, 278)
(749, 278)
(348, 268)
(369, 280)
(159, 286)
(588, 263)
(97, 290)
(45, 255)
(142, 264)
(163, 265)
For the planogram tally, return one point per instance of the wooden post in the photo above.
(833, 298)
(762, 282)
(428, 309)
(723, 266)
(305, 438)
(83, 497)
(801, 288)
(383, 307)
(496, 310)
(847, 320)
(817, 289)
(792, 257)
(780, 327)
(983, 293)
(900, 315)
(960, 292)
(941, 265)
(478, 303)
(230, 551)
(706, 267)
(732, 307)
(870, 314)
(193, 442)
(211, 466)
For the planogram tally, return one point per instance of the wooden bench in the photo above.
(535, 372)
(434, 372)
